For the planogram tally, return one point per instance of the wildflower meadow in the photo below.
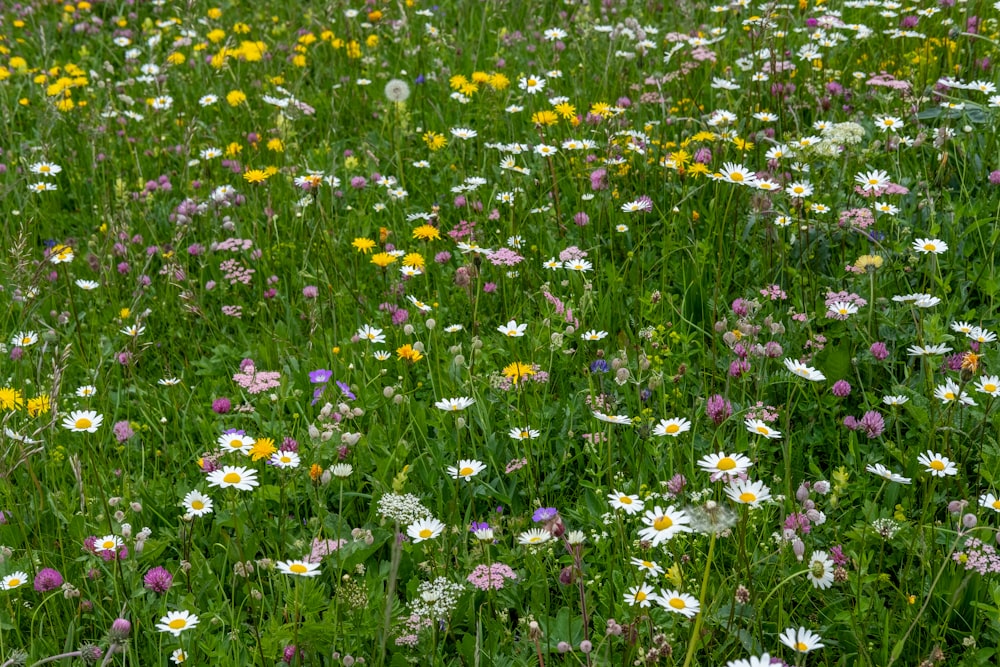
(490, 332)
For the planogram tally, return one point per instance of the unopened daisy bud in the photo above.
(326, 477)
(460, 422)
(136, 507)
(969, 520)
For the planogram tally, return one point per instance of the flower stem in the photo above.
(696, 632)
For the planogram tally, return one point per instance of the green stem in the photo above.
(702, 599)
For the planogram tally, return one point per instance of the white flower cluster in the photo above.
(436, 599)
(405, 508)
(839, 135)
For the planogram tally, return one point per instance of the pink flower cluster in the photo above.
(235, 272)
(493, 576)
(254, 381)
(978, 557)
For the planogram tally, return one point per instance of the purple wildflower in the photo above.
(158, 580)
(544, 514)
(718, 409)
(320, 376)
(47, 579)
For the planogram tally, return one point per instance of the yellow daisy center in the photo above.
(232, 478)
(13, 583)
(736, 176)
(534, 539)
(647, 563)
(672, 428)
(177, 623)
(937, 465)
(108, 544)
(949, 395)
(640, 596)
(763, 429)
(801, 647)
(236, 443)
(425, 533)
(83, 423)
(197, 505)
(989, 387)
(663, 523)
(726, 463)
(747, 497)
(465, 472)
(677, 603)
(525, 435)
(929, 246)
(996, 504)
(625, 500)
(298, 568)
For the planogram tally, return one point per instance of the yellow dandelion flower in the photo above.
(236, 98)
(39, 405)
(262, 449)
(408, 353)
(427, 233)
(517, 370)
(383, 259)
(566, 110)
(363, 244)
(254, 176)
(414, 259)
(544, 117)
(498, 81)
(602, 109)
(11, 399)
(434, 140)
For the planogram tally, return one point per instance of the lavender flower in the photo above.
(123, 431)
(718, 409)
(872, 424)
(320, 376)
(158, 580)
(47, 579)
(543, 514)
(841, 388)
